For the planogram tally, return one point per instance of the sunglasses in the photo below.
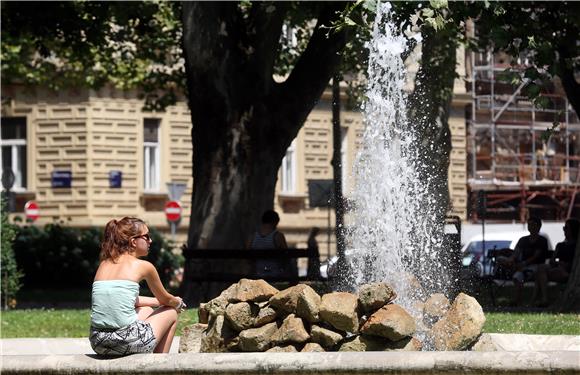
(145, 236)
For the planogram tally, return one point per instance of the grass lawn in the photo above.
(60, 323)
(75, 323)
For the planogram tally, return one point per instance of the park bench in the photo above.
(243, 262)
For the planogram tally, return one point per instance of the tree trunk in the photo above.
(429, 114)
(243, 121)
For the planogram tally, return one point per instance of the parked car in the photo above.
(476, 258)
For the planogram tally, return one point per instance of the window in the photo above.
(13, 142)
(288, 170)
(151, 154)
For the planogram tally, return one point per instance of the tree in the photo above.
(243, 121)
(11, 274)
(545, 33)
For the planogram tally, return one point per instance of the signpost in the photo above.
(173, 214)
(31, 210)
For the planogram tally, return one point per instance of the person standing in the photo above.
(122, 321)
(313, 272)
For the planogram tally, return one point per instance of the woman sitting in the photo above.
(122, 322)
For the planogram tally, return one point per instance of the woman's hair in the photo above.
(117, 238)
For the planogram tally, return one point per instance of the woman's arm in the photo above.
(154, 283)
(143, 301)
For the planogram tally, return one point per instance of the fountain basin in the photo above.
(511, 362)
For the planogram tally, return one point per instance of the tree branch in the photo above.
(571, 87)
(300, 92)
(264, 29)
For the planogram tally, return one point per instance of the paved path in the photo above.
(37, 346)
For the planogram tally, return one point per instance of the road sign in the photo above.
(32, 211)
(175, 190)
(173, 211)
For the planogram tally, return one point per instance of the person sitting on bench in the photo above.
(268, 237)
(560, 265)
(530, 252)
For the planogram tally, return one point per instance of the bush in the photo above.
(11, 275)
(64, 257)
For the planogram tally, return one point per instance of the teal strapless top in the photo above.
(113, 303)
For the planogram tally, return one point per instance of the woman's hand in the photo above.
(180, 307)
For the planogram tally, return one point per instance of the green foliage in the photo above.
(90, 44)
(63, 257)
(11, 274)
(62, 323)
(57, 256)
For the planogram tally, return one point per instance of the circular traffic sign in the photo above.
(173, 211)
(31, 210)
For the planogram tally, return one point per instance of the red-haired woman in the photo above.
(122, 322)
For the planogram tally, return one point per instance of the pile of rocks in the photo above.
(253, 316)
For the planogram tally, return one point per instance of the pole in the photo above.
(173, 225)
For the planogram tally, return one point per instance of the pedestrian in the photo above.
(313, 272)
(122, 321)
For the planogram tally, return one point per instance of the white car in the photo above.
(474, 255)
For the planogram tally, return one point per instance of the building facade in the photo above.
(88, 156)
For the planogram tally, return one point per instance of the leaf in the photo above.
(428, 12)
(438, 4)
(542, 102)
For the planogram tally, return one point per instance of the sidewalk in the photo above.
(44, 346)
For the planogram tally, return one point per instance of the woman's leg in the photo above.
(144, 312)
(164, 322)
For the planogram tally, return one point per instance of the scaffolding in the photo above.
(511, 162)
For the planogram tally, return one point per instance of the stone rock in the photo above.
(287, 299)
(312, 347)
(203, 313)
(217, 335)
(373, 296)
(257, 339)
(282, 349)
(340, 310)
(364, 343)
(216, 306)
(434, 308)
(325, 337)
(241, 315)
(248, 290)
(190, 340)
(234, 344)
(291, 331)
(484, 343)
(461, 326)
(391, 322)
(308, 305)
(265, 315)
(230, 292)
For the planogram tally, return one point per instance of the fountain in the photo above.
(393, 231)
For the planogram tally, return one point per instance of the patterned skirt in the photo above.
(137, 337)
